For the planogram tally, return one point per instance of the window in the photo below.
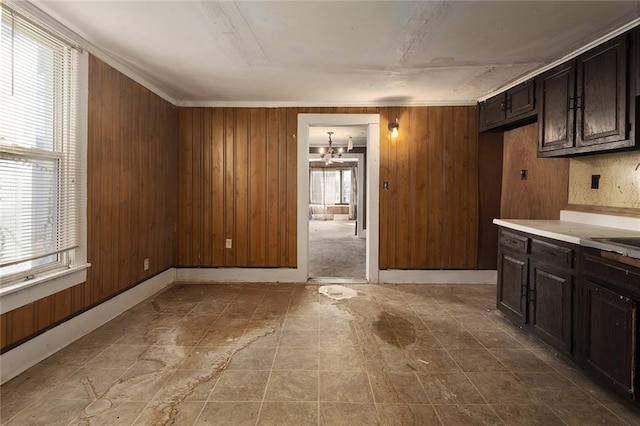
(330, 186)
(41, 163)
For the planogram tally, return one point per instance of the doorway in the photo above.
(362, 230)
(337, 241)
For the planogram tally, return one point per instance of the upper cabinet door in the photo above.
(556, 100)
(520, 99)
(601, 104)
(494, 111)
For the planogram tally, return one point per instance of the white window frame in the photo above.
(71, 270)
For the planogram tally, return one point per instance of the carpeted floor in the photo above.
(335, 250)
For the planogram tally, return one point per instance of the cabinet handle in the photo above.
(578, 102)
(502, 105)
(571, 103)
(508, 105)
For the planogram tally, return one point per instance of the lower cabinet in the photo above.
(551, 305)
(610, 335)
(536, 286)
(512, 287)
(580, 300)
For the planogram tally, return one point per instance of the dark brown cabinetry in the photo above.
(514, 107)
(512, 271)
(609, 291)
(536, 286)
(585, 105)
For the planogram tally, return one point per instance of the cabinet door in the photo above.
(551, 306)
(610, 345)
(512, 286)
(494, 111)
(601, 103)
(520, 100)
(555, 97)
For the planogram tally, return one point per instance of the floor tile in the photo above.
(407, 414)
(476, 360)
(517, 415)
(229, 414)
(553, 388)
(345, 386)
(347, 414)
(520, 360)
(299, 338)
(116, 412)
(397, 388)
(187, 385)
(292, 386)
(468, 415)
(433, 361)
(166, 413)
(86, 384)
(502, 388)
(582, 415)
(450, 388)
(240, 386)
(300, 358)
(341, 358)
(49, 412)
(288, 413)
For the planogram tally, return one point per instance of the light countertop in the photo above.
(580, 229)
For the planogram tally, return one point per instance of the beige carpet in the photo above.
(335, 250)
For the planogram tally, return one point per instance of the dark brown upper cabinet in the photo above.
(586, 105)
(511, 108)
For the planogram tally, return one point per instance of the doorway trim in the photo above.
(372, 121)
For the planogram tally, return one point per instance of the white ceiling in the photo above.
(336, 52)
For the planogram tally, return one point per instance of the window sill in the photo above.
(19, 294)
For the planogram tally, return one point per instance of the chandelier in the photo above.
(330, 153)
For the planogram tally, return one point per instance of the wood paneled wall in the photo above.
(545, 191)
(429, 214)
(238, 181)
(131, 211)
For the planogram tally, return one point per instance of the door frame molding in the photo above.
(372, 121)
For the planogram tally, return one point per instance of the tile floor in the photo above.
(284, 354)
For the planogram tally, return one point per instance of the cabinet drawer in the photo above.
(552, 253)
(615, 275)
(514, 242)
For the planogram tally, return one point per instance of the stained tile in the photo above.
(407, 414)
(467, 415)
(502, 388)
(345, 386)
(299, 338)
(289, 413)
(166, 413)
(299, 358)
(476, 360)
(49, 412)
(345, 358)
(397, 388)
(521, 360)
(117, 356)
(113, 412)
(517, 415)
(581, 415)
(86, 384)
(240, 385)
(253, 358)
(292, 386)
(553, 388)
(450, 388)
(229, 413)
(188, 385)
(433, 361)
(335, 413)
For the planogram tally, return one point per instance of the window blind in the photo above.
(39, 159)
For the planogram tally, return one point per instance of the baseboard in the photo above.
(438, 276)
(247, 275)
(35, 350)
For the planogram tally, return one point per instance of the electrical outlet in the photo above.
(227, 244)
(146, 264)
